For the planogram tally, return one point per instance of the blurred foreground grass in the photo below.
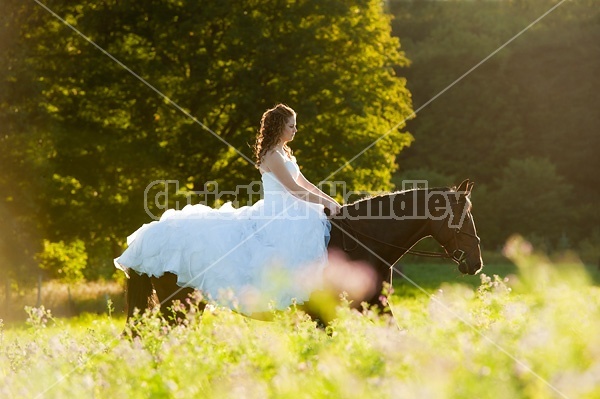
(532, 333)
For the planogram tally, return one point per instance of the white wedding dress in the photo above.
(253, 259)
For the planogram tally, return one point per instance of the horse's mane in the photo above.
(400, 192)
(408, 193)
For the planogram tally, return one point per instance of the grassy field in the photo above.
(530, 331)
(86, 297)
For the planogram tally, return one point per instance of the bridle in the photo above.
(458, 255)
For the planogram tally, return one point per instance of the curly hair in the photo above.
(271, 127)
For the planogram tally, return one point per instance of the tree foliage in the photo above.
(65, 261)
(536, 98)
(81, 137)
(530, 199)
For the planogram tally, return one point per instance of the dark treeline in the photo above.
(524, 125)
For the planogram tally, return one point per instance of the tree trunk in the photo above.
(39, 292)
(7, 295)
(71, 306)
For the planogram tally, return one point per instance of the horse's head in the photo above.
(454, 228)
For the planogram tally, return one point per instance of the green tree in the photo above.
(64, 261)
(537, 97)
(432, 177)
(532, 200)
(21, 159)
(102, 135)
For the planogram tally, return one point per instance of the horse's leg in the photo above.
(321, 307)
(139, 296)
(139, 293)
(382, 293)
(167, 292)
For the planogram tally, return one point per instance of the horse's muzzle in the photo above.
(464, 268)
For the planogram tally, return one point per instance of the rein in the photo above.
(429, 254)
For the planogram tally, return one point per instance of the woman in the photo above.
(255, 258)
(277, 128)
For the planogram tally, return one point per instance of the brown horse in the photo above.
(374, 233)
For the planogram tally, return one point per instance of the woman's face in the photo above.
(289, 130)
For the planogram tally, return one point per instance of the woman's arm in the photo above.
(304, 182)
(276, 164)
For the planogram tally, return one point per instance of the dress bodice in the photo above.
(272, 185)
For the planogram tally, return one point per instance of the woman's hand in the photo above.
(333, 208)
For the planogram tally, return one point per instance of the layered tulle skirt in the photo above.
(252, 259)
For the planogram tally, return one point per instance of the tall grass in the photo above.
(85, 297)
(531, 334)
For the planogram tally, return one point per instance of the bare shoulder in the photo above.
(272, 153)
(274, 162)
(272, 157)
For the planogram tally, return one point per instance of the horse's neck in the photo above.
(411, 222)
(395, 237)
(408, 232)
(401, 229)
(419, 229)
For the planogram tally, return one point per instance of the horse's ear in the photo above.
(463, 186)
(470, 188)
